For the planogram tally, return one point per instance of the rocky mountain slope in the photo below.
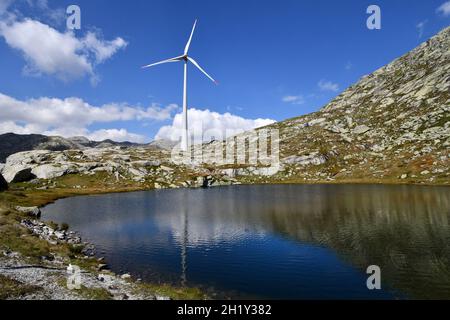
(11, 143)
(393, 126)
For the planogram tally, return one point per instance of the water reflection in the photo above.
(304, 241)
(184, 210)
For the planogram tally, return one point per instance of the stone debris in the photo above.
(49, 234)
(49, 280)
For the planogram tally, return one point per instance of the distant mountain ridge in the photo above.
(11, 143)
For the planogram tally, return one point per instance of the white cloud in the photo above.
(444, 9)
(103, 50)
(294, 99)
(118, 135)
(71, 117)
(48, 51)
(204, 123)
(325, 85)
(421, 27)
(11, 126)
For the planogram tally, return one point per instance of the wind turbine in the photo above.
(186, 58)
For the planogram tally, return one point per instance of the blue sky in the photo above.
(273, 59)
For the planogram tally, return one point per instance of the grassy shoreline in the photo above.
(15, 238)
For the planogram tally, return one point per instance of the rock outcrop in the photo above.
(30, 211)
(19, 166)
(392, 125)
(138, 165)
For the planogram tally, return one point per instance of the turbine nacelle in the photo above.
(185, 57)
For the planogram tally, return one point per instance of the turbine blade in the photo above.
(176, 59)
(200, 68)
(186, 50)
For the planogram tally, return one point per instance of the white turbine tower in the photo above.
(186, 59)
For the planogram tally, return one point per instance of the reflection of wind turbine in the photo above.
(184, 246)
(185, 58)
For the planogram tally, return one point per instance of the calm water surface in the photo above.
(277, 241)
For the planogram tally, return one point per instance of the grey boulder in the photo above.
(15, 175)
(48, 171)
(31, 211)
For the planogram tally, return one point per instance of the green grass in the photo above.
(15, 238)
(94, 293)
(88, 293)
(176, 293)
(13, 289)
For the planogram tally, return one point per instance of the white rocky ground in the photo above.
(50, 280)
(139, 165)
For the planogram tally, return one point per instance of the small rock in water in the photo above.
(125, 276)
